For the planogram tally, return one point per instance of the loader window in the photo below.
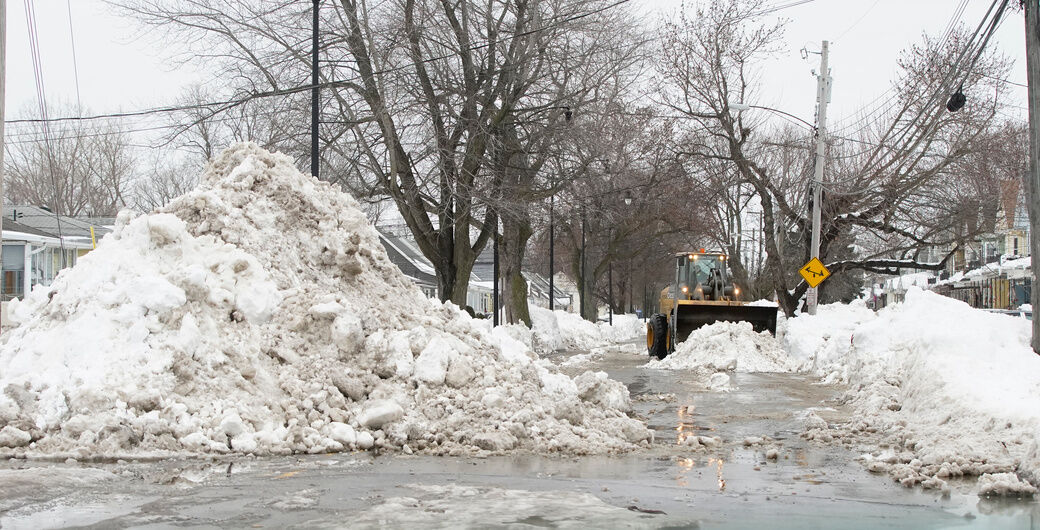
(697, 270)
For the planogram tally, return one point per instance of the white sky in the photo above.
(866, 37)
(119, 72)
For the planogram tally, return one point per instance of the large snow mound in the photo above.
(729, 347)
(260, 314)
(950, 390)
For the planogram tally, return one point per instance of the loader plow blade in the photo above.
(693, 316)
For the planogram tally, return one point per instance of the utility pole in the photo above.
(314, 92)
(552, 237)
(823, 91)
(1033, 80)
(584, 294)
(3, 99)
(610, 289)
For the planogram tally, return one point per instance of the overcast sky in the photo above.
(119, 72)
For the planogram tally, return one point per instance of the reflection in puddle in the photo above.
(685, 465)
(685, 427)
(717, 462)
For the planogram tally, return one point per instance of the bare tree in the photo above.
(75, 168)
(887, 191)
(417, 91)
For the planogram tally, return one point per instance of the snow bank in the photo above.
(560, 330)
(727, 347)
(951, 390)
(260, 314)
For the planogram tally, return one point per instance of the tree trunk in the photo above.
(516, 231)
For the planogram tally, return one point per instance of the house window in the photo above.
(1014, 242)
(13, 271)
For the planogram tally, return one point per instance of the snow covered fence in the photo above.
(949, 389)
(260, 314)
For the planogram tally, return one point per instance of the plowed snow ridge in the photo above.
(260, 314)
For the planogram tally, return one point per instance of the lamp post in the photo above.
(581, 294)
(819, 131)
(552, 241)
(610, 269)
(568, 114)
(610, 283)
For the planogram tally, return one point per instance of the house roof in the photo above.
(484, 267)
(41, 219)
(403, 253)
(13, 226)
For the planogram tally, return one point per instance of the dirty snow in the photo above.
(260, 314)
(462, 506)
(727, 347)
(939, 389)
(560, 330)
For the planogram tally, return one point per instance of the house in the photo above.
(34, 252)
(404, 252)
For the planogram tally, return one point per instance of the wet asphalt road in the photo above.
(670, 486)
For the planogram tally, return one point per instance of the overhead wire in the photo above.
(75, 64)
(232, 102)
(41, 94)
(876, 109)
(946, 83)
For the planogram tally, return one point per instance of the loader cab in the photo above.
(702, 294)
(703, 276)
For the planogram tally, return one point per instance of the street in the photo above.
(731, 485)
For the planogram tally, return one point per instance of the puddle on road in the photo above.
(58, 514)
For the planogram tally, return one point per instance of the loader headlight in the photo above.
(693, 258)
(722, 257)
(736, 290)
(685, 289)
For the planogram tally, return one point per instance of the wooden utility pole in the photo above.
(3, 99)
(823, 93)
(1033, 79)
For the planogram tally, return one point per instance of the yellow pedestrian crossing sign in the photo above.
(814, 272)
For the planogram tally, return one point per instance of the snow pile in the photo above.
(727, 347)
(260, 314)
(951, 390)
(560, 330)
(824, 339)
(1004, 485)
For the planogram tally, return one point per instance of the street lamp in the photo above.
(627, 197)
(568, 114)
(552, 240)
(820, 130)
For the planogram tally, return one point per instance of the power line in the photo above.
(229, 103)
(779, 7)
(75, 65)
(41, 94)
(858, 20)
(872, 117)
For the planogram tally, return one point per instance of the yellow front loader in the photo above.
(702, 294)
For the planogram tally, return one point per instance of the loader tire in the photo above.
(657, 336)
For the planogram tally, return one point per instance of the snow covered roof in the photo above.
(15, 232)
(41, 219)
(403, 253)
